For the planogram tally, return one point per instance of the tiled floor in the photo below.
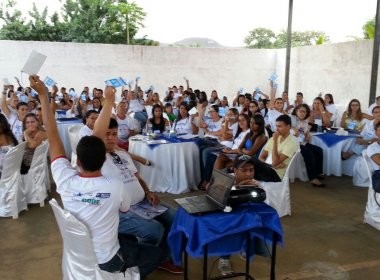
(324, 239)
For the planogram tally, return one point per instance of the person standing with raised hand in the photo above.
(93, 198)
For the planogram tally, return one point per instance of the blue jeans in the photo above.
(153, 231)
(142, 117)
(131, 253)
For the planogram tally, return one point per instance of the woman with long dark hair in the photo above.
(158, 122)
(7, 139)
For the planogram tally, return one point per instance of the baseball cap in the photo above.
(242, 160)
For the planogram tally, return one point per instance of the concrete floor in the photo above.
(324, 239)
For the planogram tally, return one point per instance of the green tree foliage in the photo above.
(369, 29)
(87, 21)
(260, 38)
(263, 38)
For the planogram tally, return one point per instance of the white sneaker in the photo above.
(224, 266)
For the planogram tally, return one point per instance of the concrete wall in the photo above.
(341, 69)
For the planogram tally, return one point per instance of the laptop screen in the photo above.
(221, 184)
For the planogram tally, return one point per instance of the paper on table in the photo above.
(146, 210)
(34, 63)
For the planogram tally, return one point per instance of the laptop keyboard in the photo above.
(200, 203)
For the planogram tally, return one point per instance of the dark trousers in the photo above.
(313, 157)
(131, 253)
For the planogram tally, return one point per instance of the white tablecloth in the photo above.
(175, 166)
(332, 161)
(63, 129)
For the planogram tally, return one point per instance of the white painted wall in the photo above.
(341, 69)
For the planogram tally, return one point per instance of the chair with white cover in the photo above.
(36, 182)
(74, 139)
(298, 169)
(278, 193)
(372, 209)
(79, 260)
(12, 198)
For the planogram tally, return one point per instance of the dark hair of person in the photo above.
(248, 96)
(160, 125)
(259, 120)
(91, 153)
(239, 130)
(374, 108)
(299, 93)
(168, 105)
(184, 104)
(6, 130)
(285, 119)
(265, 101)
(169, 97)
(307, 108)
(377, 126)
(330, 97)
(113, 124)
(88, 114)
(202, 97)
(257, 105)
(215, 107)
(322, 101)
(28, 115)
(21, 104)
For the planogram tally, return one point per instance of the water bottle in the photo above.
(149, 129)
(201, 133)
(319, 128)
(167, 131)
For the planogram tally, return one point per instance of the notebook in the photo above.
(216, 198)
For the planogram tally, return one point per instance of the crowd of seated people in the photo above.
(240, 130)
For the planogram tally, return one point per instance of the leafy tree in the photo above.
(305, 38)
(369, 29)
(260, 38)
(102, 21)
(15, 26)
(264, 38)
(90, 21)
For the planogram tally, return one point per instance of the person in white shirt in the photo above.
(376, 103)
(184, 123)
(92, 197)
(126, 124)
(14, 119)
(119, 164)
(330, 107)
(88, 121)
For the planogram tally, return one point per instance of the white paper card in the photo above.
(34, 63)
(193, 111)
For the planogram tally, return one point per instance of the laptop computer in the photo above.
(216, 198)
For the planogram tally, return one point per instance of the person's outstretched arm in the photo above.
(103, 121)
(55, 144)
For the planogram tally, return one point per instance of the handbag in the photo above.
(376, 181)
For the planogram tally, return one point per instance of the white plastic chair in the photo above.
(74, 139)
(36, 182)
(278, 193)
(79, 260)
(298, 169)
(372, 209)
(12, 199)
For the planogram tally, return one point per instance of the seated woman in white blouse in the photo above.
(184, 123)
(7, 139)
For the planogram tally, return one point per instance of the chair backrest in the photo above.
(40, 155)
(12, 161)
(79, 260)
(368, 166)
(290, 165)
(74, 135)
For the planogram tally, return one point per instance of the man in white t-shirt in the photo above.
(119, 164)
(126, 124)
(93, 198)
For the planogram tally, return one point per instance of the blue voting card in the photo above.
(116, 82)
(49, 82)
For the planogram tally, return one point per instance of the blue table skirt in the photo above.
(224, 233)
